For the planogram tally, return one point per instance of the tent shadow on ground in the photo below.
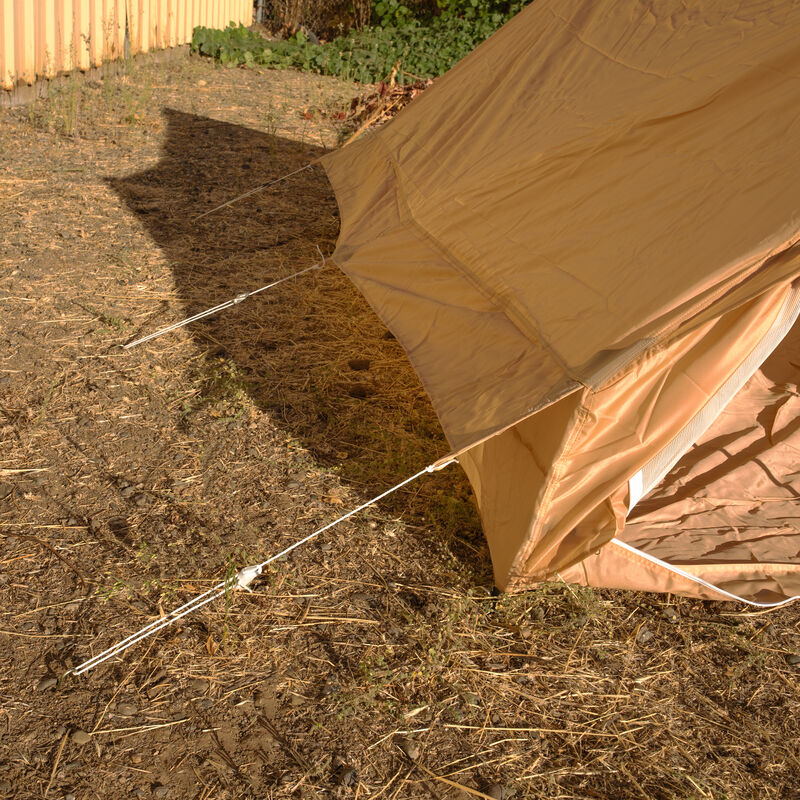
(309, 352)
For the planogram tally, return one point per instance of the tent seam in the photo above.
(531, 332)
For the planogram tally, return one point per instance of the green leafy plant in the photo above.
(414, 48)
(391, 13)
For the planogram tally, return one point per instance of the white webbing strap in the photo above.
(684, 574)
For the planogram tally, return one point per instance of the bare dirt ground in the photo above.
(372, 664)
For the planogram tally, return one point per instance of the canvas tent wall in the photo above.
(586, 238)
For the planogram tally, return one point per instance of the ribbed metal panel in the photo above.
(42, 38)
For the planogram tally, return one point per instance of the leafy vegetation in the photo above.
(413, 47)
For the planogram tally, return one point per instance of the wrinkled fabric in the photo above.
(589, 220)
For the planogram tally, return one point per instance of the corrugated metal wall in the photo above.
(41, 38)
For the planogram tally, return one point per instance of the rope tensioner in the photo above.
(222, 306)
(241, 580)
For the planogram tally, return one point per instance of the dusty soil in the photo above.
(374, 663)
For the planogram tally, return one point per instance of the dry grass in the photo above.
(375, 664)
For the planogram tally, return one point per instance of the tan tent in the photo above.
(586, 238)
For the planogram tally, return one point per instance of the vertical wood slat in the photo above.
(131, 9)
(44, 38)
(156, 11)
(114, 23)
(180, 22)
(7, 50)
(161, 24)
(24, 43)
(176, 25)
(144, 26)
(153, 34)
(97, 33)
(168, 7)
(62, 47)
(81, 34)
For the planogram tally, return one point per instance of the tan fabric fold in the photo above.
(602, 197)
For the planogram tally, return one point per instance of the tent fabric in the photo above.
(580, 234)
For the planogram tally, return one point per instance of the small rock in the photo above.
(411, 749)
(140, 500)
(73, 522)
(202, 83)
(644, 635)
(69, 796)
(126, 710)
(198, 685)
(538, 613)
(59, 732)
(159, 790)
(81, 737)
(292, 485)
(346, 776)
(671, 614)
(46, 683)
(5, 490)
(128, 491)
(359, 364)
(793, 660)
(496, 790)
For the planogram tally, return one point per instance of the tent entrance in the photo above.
(722, 499)
(651, 475)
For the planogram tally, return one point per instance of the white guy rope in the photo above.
(242, 580)
(256, 190)
(222, 306)
(684, 574)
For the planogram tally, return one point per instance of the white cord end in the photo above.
(441, 465)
